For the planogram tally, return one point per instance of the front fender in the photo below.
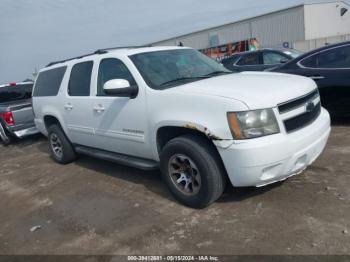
(218, 141)
(203, 113)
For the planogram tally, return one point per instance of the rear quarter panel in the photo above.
(50, 105)
(23, 114)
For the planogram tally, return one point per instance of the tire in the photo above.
(7, 142)
(61, 149)
(204, 171)
(8, 139)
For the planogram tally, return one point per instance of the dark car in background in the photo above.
(259, 60)
(329, 67)
(16, 113)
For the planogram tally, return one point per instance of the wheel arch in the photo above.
(167, 132)
(50, 119)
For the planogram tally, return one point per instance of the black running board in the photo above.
(131, 161)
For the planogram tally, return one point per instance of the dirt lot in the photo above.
(96, 207)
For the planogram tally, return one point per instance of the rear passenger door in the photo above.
(77, 107)
(120, 122)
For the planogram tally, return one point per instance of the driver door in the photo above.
(120, 122)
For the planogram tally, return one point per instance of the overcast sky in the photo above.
(36, 32)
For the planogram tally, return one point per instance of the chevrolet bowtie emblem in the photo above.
(310, 107)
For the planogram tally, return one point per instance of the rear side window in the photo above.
(15, 93)
(335, 58)
(80, 79)
(49, 82)
(310, 62)
(251, 59)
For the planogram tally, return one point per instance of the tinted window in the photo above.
(227, 61)
(15, 93)
(49, 82)
(230, 61)
(343, 11)
(272, 58)
(112, 68)
(310, 62)
(251, 59)
(80, 79)
(335, 58)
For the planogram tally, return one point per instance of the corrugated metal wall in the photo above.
(271, 30)
(277, 28)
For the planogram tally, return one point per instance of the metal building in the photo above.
(290, 27)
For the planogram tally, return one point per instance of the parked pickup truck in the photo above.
(175, 109)
(16, 113)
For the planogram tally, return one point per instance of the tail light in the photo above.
(8, 118)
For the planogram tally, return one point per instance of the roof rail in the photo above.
(122, 47)
(69, 59)
(97, 52)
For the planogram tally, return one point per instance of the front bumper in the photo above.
(263, 161)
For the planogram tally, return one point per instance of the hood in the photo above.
(258, 90)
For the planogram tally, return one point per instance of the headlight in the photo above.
(253, 124)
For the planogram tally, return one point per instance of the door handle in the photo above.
(68, 107)
(317, 77)
(99, 108)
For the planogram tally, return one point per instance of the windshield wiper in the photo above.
(216, 73)
(180, 79)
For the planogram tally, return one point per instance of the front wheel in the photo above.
(192, 170)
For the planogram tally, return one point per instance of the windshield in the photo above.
(165, 69)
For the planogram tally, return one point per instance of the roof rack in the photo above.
(69, 59)
(122, 47)
(97, 52)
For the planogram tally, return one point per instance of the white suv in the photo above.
(175, 109)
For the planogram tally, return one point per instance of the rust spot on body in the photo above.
(191, 127)
(205, 131)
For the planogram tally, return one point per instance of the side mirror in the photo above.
(283, 60)
(120, 87)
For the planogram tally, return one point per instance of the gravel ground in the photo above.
(96, 207)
